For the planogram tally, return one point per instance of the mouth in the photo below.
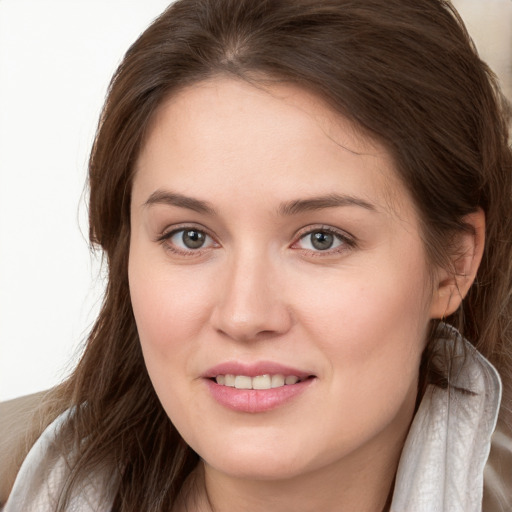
(259, 382)
(257, 387)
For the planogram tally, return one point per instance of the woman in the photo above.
(305, 208)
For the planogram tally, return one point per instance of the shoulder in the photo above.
(39, 480)
(498, 473)
(451, 436)
(18, 432)
(42, 480)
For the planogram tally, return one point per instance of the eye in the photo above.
(323, 240)
(187, 239)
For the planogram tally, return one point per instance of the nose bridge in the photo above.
(250, 300)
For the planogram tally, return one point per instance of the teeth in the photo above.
(243, 382)
(229, 380)
(262, 382)
(277, 381)
(258, 382)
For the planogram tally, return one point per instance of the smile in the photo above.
(258, 382)
(258, 386)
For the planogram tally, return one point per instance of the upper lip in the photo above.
(254, 369)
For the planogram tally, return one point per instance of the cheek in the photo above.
(167, 303)
(169, 314)
(372, 333)
(367, 302)
(373, 320)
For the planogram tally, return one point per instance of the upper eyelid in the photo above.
(165, 240)
(322, 227)
(171, 230)
(348, 241)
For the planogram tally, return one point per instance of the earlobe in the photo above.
(452, 284)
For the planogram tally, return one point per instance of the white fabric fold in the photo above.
(41, 479)
(442, 464)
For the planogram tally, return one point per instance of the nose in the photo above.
(251, 302)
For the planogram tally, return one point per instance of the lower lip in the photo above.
(256, 400)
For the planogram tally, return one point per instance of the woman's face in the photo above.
(273, 247)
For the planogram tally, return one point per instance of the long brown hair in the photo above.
(404, 71)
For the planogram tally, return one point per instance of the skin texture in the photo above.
(354, 316)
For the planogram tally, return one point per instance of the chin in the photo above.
(260, 467)
(266, 459)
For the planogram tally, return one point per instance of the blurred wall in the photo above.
(489, 23)
(56, 59)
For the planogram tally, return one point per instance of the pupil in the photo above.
(322, 240)
(193, 239)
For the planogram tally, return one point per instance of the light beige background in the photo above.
(490, 24)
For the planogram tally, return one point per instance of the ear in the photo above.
(452, 284)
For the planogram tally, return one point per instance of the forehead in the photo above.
(237, 138)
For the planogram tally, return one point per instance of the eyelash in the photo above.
(347, 242)
(164, 240)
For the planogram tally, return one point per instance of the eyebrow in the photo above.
(288, 208)
(174, 199)
(323, 202)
